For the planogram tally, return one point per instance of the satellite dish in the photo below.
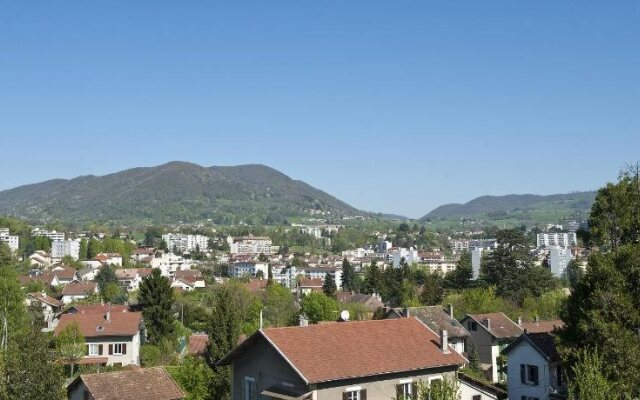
(344, 315)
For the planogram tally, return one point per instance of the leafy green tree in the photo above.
(30, 370)
(329, 286)
(105, 276)
(349, 277)
(279, 306)
(320, 307)
(42, 243)
(587, 378)
(445, 389)
(70, 345)
(156, 298)
(94, 247)
(12, 308)
(224, 331)
(84, 249)
(193, 376)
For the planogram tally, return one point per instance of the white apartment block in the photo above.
(169, 263)
(410, 256)
(53, 235)
(61, 248)
(251, 269)
(249, 245)
(563, 239)
(559, 258)
(470, 244)
(184, 242)
(441, 267)
(12, 241)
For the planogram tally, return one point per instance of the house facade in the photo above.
(361, 360)
(113, 334)
(490, 334)
(77, 290)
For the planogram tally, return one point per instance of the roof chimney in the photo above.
(405, 311)
(107, 315)
(451, 310)
(303, 320)
(519, 321)
(487, 322)
(444, 341)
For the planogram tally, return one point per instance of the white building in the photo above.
(241, 269)
(169, 263)
(476, 260)
(559, 258)
(470, 244)
(410, 256)
(61, 248)
(183, 242)
(249, 245)
(563, 239)
(53, 235)
(12, 241)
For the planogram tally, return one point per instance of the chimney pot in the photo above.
(444, 341)
(107, 316)
(519, 321)
(451, 310)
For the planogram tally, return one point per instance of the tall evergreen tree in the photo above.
(460, 278)
(349, 277)
(156, 300)
(329, 286)
(373, 279)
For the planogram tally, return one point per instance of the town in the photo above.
(247, 312)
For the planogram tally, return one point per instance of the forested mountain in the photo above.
(514, 204)
(172, 192)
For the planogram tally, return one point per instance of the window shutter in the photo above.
(100, 349)
(363, 394)
(110, 349)
(534, 375)
(124, 348)
(522, 373)
(345, 395)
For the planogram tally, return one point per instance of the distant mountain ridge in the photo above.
(172, 192)
(487, 205)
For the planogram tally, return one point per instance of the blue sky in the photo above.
(394, 106)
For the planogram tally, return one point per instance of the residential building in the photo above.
(186, 243)
(383, 359)
(249, 245)
(534, 369)
(76, 290)
(476, 262)
(61, 248)
(110, 259)
(40, 259)
(309, 285)
(191, 277)
(490, 334)
(476, 389)
(460, 245)
(438, 319)
(131, 278)
(537, 326)
(198, 343)
(562, 239)
(64, 275)
(12, 241)
(559, 259)
(253, 269)
(127, 384)
(53, 235)
(409, 255)
(371, 302)
(112, 333)
(169, 263)
(50, 308)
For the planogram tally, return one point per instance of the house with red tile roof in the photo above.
(376, 359)
(77, 290)
(50, 308)
(127, 384)
(490, 333)
(198, 343)
(538, 326)
(308, 285)
(112, 333)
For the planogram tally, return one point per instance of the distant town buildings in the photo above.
(459, 245)
(249, 245)
(559, 258)
(12, 241)
(183, 242)
(53, 235)
(62, 248)
(563, 239)
(410, 256)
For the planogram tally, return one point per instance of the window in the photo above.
(529, 398)
(476, 397)
(529, 374)
(94, 350)
(473, 325)
(405, 391)
(250, 391)
(119, 349)
(352, 395)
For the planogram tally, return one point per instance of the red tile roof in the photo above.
(131, 384)
(78, 288)
(500, 325)
(46, 299)
(98, 308)
(542, 326)
(96, 325)
(198, 343)
(255, 285)
(375, 347)
(64, 273)
(310, 282)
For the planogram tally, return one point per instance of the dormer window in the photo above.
(100, 329)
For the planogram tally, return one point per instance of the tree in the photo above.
(329, 286)
(373, 279)
(432, 290)
(460, 278)
(193, 376)
(319, 307)
(30, 370)
(442, 389)
(349, 277)
(105, 276)
(224, 331)
(12, 308)
(70, 345)
(156, 300)
(279, 306)
(94, 247)
(587, 379)
(84, 249)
